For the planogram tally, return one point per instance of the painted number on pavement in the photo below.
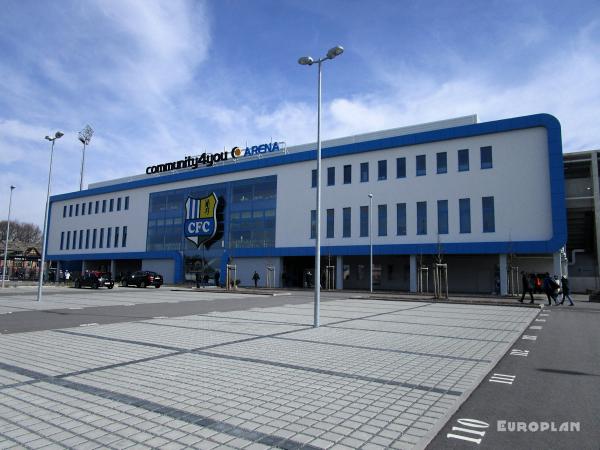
(517, 352)
(469, 427)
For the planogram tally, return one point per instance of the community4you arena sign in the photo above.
(209, 159)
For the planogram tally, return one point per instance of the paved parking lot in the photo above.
(377, 374)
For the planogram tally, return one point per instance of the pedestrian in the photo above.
(217, 278)
(67, 276)
(205, 280)
(549, 287)
(256, 277)
(198, 280)
(566, 291)
(527, 287)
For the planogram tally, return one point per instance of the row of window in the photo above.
(485, 154)
(464, 211)
(97, 207)
(93, 238)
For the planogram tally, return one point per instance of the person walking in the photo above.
(549, 286)
(217, 278)
(566, 291)
(256, 277)
(527, 287)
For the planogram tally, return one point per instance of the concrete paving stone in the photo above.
(256, 446)
(361, 435)
(352, 442)
(74, 441)
(156, 442)
(206, 445)
(341, 447)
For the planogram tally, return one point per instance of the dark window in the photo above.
(401, 167)
(464, 207)
(401, 219)
(97, 207)
(62, 239)
(364, 221)
(382, 220)
(116, 237)
(68, 243)
(347, 222)
(90, 208)
(487, 207)
(330, 223)
(421, 165)
(313, 178)
(103, 206)
(313, 224)
(70, 210)
(73, 244)
(347, 174)
(486, 157)
(124, 241)
(87, 238)
(112, 204)
(442, 162)
(442, 206)
(119, 204)
(76, 209)
(382, 170)
(330, 176)
(94, 238)
(364, 172)
(80, 239)
(101, 240)
(83, 209)
(421, 217)
(65, 211)
(463, 160)
(126, 203)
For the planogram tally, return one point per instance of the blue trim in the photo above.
(557, 194)
(175, 256)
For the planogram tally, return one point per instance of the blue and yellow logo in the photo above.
(201, 218)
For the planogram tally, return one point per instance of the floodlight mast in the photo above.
(85, 136)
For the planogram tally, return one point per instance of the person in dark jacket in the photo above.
(527, 287)
(566, 291)
(256, 277)
(217, 278)
(549, 287)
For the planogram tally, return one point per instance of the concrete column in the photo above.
(83, 266)
(556, 264)
(339, 272)
(503, 275)
(113, 268)
(57, 273)
(413, 273)
(596, 191)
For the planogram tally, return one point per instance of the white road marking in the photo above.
(517, 352)
(502, 378)
(471, 423)
(88, 324)
(530, 338)
(535, 327)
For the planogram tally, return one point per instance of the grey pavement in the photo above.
(377, 374)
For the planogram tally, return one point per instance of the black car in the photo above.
(143, 278)
(94, 280)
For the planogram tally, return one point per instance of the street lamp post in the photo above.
(7, 236)
(85, 136)
(309, 61)
(57, 135)
(370, 242)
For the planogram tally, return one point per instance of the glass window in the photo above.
(442, 162)
(80, 246)
(62, 239)
(364, 172)
(103, 206)
(347, 174)
(330, 223)
(487, 207)
(382, 220)
(242, 193)
(442, 209)
(382, 170)
(96, 209)
(463, 160)
(464, 207)
(421, 217)
(108, 237)
(124, 240)
(421, 165)
(347, 222)
(77, 209)
(101, 240)
(83, 209)
(364, 221)
(330, 176)
(401, 167)
(64, 212)
(89, 207)
(87, 238)
(401, 219)
(70, 210)
(73, 246)
(313, 178)
(68, 240)
(112, 204)
(119, 204)
(486, 157)
(94, 238)
(116, 237)
(126, 203)
(313, 223)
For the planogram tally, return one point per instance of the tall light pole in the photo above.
(308, 61)
(370, 242)
(7, 236)
(85, 136)
(57, 135)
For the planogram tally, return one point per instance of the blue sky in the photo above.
(159, 80)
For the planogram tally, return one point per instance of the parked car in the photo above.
(95, 280)
(143, 278)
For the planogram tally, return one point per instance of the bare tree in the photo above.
(21, 234)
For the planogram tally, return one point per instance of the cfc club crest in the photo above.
(201, 218)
